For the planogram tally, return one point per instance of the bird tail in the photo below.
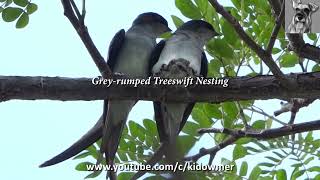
(93, 135)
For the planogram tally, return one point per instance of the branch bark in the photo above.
(240, 88)
(268, 133)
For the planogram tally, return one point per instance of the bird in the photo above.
(129, 53)
(180, 56)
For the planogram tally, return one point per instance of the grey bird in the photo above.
(129, 54)
(180, 56)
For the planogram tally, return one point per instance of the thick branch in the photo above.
(303, 49)
(268, 133)
(240, 88)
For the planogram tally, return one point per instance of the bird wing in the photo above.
(95, 133)
(157, 105)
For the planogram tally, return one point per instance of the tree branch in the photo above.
(266, 57)
(239, 88)
(268, 133)
(294, 105)
(276, 30)
(212, 151)
(85, 37)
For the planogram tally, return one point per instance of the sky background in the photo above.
(34, 131)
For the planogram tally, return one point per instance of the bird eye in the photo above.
(306, 10)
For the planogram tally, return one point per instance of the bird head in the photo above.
(201, 28)
(153, 21)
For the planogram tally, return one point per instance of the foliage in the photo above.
(17, 10)
(229, 57)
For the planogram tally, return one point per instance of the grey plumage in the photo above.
(180, 56)
(129, 53)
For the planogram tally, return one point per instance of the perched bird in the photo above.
(129, 54)
(180, 56)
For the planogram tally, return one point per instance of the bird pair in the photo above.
(136, 54)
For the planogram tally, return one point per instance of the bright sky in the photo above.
(33, 131)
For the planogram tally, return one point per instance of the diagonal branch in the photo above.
(276, 30)
(266, 57)
(85, 37)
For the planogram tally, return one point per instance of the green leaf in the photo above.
(191, 128)
(255, 173)
(298, 174)
(243, 169)
(281, 174)
(93, 175)
(266, 164)
(289, 60)
(21, 3)
(199, 116)
(312, 36)
(184, 144)
(82, 155)
(213, 111)
(314, 169)
(239, 152)
(220, 48)
(23, 21)
(188, 9)
(137, 130)
(177, 21)
(308, 160)
(83, 166)
(202, 5)
(273, 159)
(230, 35)
(10, 14)
(231, 109)
(31, 8)
(151, 128)
(316, 68)
(125, 175)
(259, 124)
(276, 50)
(122, 156)
(1, 9)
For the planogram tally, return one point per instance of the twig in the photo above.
(266, 114)
(294, 105)
(243, 117)
(212, 151)
(276, 29)
(85, 37)
(268, 133)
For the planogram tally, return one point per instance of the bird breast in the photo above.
(185, 49)
(133, 60)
